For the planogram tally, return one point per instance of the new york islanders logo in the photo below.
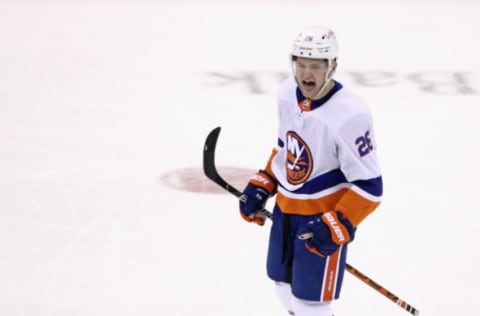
(299, 162)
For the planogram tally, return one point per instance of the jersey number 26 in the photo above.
(364, 144)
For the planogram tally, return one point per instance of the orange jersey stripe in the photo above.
(356, 207)
(353, 206)
(309, 206)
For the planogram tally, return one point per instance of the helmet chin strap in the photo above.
(328, 78)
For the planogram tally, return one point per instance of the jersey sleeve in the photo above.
(356, 150)
(268, 167)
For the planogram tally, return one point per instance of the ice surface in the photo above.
(99, 100)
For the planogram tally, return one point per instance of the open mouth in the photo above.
(308, 85)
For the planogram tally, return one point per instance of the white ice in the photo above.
(99, 99)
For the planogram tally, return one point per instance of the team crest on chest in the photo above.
(299, 162)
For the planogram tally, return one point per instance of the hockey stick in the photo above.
(211, 172)
(210, 169)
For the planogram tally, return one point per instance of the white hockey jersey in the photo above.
(325, 158)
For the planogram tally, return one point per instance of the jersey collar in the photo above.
(307, 105)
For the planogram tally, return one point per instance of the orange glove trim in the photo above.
(259, 220)
(263, 180)
(314, 250)
(338, 231)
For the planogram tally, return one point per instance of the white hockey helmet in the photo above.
(316, 42)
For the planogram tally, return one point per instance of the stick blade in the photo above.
(209, 154)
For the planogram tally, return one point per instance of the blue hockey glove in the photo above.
(330, 231)
(259, 188)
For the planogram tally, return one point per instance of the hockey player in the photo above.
(324, 173)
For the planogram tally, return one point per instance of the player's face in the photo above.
(310, 74)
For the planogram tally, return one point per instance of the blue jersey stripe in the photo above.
(334, 177)
(322, 182)
(372, 186)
